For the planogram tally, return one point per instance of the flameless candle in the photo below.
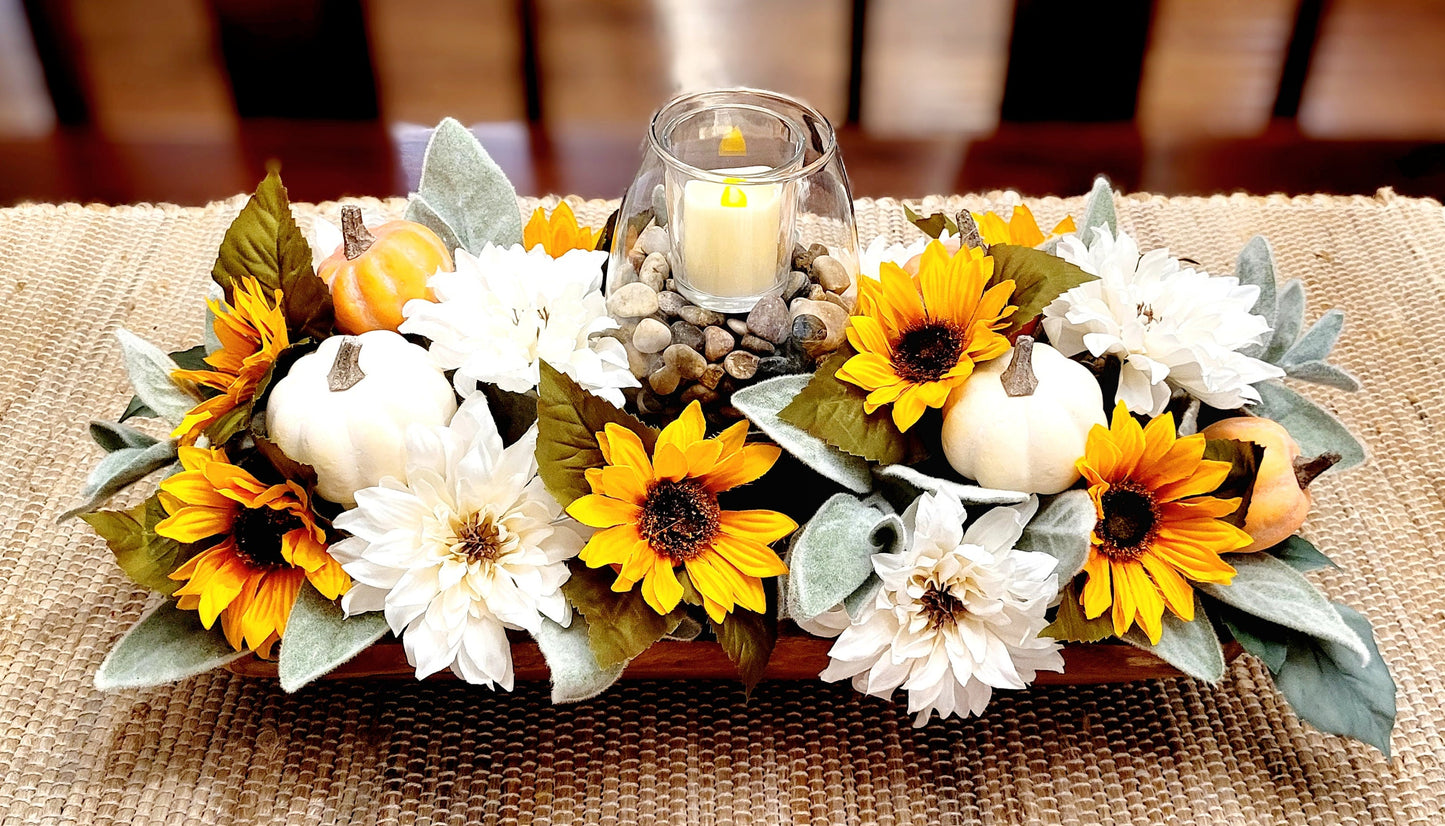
(731, 245)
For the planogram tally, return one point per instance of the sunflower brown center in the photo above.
(258, 533)
(679, 519)
(940, 606)
(478, 539)
(1130, 522)
(927, 351)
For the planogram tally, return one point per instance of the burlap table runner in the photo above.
(221, 749)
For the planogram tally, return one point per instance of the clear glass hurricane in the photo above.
(742, 181)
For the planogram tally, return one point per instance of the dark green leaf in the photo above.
(748, 639)
(320, 637)
(1070, 624)
(138, 408)
(934, 225)
(264, 243)
(145, 556)
(604, 238)
(832, 410)
(192, 359)
(620, 625)
(1243, 458)
(1038, 278)
(167, 645)
(1331, 691)
(113, 436)
(1263, 639)
(568, 421)
(514, 412)
(1299, 554)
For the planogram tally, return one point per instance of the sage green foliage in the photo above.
(762, 402)
(149, 369)
(1299, 554)
(146, 557)
(915, 482)
(463, 196)
(167, 645)
(118, 470)
(265, 244)
(831, 556)
(1192, 647)
(1062, 528)
(568, 421)
(1271, 590)
(1098, 211)
(1316, 430)
(320, 637)
(576, 674)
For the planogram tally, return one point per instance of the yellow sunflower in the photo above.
(1157, 529)
(268, 545)
(919, 337)
(660, 512)
(558, 234)
(252, 334)
(1020, 229)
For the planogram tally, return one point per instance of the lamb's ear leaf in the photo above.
(1329, 688)
(421, 211)
(762, 402)
(320, 638)
(167, 645)
(1063, 529)
(1319, 372)
(464, 187)
(1098, 211)
(1289, 317)
(831, 557)
(1316, 430)
(1191, 647)
(118, 470)
(113, 436)
(576, 674)
(1318, 341)
(150, 370)
(1255, 268)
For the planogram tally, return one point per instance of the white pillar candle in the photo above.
(731, 234)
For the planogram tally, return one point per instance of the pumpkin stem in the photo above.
(357, 239)
(1307, 470)
(968, 232)
(1019, 379)
(346, 370)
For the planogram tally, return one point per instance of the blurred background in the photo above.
(186, 100)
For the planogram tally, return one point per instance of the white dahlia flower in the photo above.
(1169, 326)
(504, 311)
(468, 545)
(959, 613)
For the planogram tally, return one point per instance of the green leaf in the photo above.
(1263, 639)
(119, 470)
(113, 436)
(1267, 588)
(762, 402)
(1098, 211)
(568, 421)
(320, 637)
(916, 482)
(193, 358)
(1038, 278)
(146, 557)
(1288, 319)
(620, 625)
(1299, 554)
(1191, 647)
(576, 674)
(150, 372)
(831, 556)
(167, 645)
(1070, 624)
(1331, 691)
(514, 412)
(1063, 529)
(1319, 372)
(135, 408)
(464, 193)
(1255, 267)
(832, 410)
(934, 225)
(265, 244)
(1317, 342)
(1316, 430)
(748, 639)
(1243, 458)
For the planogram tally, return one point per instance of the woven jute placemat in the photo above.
(220, 749)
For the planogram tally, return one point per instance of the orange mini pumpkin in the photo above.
(375, 272)
(1280, 500)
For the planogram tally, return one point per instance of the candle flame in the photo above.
(733, 196)
(733, 144)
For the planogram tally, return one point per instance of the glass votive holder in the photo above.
(741, 182)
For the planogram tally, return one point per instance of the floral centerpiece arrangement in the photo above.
(974, 454)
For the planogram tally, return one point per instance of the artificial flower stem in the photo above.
(354, 234)
(346, 369)
(1019, 379)
(1308, 470)
(968, 231)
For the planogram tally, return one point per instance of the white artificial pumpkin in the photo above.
(1004, 433)
(345, 408)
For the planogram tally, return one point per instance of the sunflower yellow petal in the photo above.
(598, 511)
(763, 526)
